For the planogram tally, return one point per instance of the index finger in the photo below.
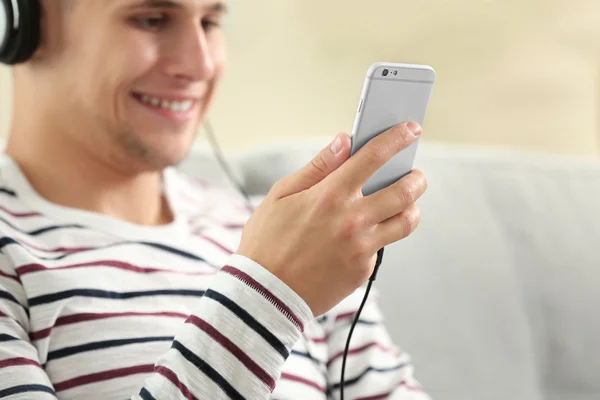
(355, 172)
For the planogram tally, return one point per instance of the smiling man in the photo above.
(122, 278)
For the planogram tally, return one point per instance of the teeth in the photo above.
(177, 106)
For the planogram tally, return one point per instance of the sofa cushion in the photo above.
(494, 295)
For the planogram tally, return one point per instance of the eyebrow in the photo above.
(216, 7)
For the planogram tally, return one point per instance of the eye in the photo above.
(151, 22)
(210, 24)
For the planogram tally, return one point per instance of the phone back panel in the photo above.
(386, 102)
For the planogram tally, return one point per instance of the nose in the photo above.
(188, 55)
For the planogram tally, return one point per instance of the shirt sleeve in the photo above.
(375, 368)
(233, 346)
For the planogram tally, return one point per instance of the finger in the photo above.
(394, 199)
(328, 160)
(399, 226)
(379, 150)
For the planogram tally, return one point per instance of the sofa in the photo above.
(496, 295)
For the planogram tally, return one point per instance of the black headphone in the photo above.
(19, 30)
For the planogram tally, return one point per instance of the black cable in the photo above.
(356, 317)
(219, 155)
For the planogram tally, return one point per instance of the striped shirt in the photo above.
(96, 308)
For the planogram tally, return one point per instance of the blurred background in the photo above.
(519, 73)
(499, 297)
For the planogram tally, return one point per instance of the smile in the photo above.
(169, 107)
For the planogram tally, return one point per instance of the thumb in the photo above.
(328, 160)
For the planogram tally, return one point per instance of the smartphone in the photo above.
(392, 94)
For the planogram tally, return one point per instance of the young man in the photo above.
(122, 278)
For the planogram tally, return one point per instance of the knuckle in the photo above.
(410, 220)
(403, 137)
(362, 248)
(375, 154)
(328, 198)
(421, 179)
(407, 193)
(279, 186)
(350, 228)
(319, 164)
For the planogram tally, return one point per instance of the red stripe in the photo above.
(387, 394)
(219, 245)
(170, 375)
(234, 226)
(76, 318)
(361, 349)
(103, 376)
(31, 268)
(15, 278)
(347, 315)
(13, 362)
(20, 215)
(304, 381)
(233, 349)
(318, 340)
(41, 334)
(265, 293)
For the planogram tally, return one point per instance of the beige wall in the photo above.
(518, 73)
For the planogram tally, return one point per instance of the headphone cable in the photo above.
(224, 165)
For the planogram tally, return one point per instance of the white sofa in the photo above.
(497, 294)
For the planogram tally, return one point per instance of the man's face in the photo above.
(139, 74)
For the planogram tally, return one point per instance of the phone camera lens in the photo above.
(385, 72)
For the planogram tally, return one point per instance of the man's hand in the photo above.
(319, 234)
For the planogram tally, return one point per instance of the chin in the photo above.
(156, 150)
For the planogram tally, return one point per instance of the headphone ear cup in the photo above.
(6, 30)
(23, 43)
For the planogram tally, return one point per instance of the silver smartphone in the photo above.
(392, 94)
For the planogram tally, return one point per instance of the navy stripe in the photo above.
(170, 249)
(7, 338)
(208, 371)
(8, 192)
(306, 355)
(10, 297)
(364, 322)
(104, 344)
(145, 395)
(250, 321)
(353, 381)
(24, 389)
(45, 229)
(105, 294)
(5, 241)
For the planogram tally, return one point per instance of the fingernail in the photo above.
(414, 127)
(337, 145)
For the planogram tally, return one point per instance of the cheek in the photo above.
(133, 65)
(121, 72)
